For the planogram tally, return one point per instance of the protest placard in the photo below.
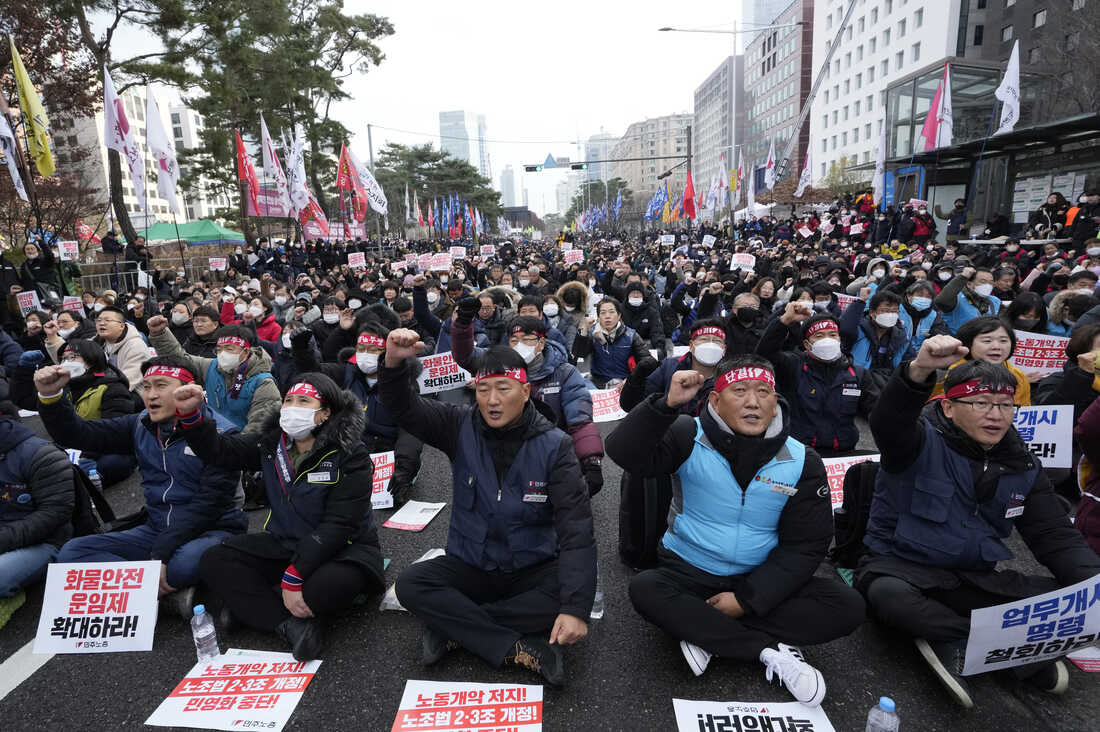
(218, 264)
(458, 252)
(708, 240)
(669, 239)
(380, 496)
(836, 468)
(918, 203)
(357, 260)
(487, 250)
(410, 258)
(605, 404)
(855, 229)
(68, 250)
(828, 227)
(845, 220)
(414, 516)
(574, 256)
(99, 607)
(453, 706)
(746, 262)
(805, 232)
(1043, 354)
(845, 300)
(238, 690)
(389, 599)
(441, 262)
(567, 246)
(1039, 628)
(424, 262)
(71, 302)
(28, 301)
(440, 373)
(710, 716)
(1048, 432)
(1087, 659)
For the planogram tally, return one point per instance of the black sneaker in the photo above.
(536, 653)
(434, 646)
(946, 660)
(1053, 678)
(226, 621)
(304, 637)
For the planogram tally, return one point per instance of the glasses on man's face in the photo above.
(981, 406)
(109, 320)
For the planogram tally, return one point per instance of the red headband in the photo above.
(520, 329)
(975, 386)
(369, 339)
(233, 341)
(708, 330)
(519, 375)
(306, 390)
(820, 326)
(172, 372)
(745, 373)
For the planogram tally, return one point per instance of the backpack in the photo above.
(850, 520)
(91, 511)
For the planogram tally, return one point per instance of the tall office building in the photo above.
(508, 186)
(483, 165)
(760, 13)
(599, 147)
(462, 136)
(716, 129)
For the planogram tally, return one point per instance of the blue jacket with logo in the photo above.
(36, 489)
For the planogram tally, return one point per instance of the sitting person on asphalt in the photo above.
(191, 504)
(954, 480)
(519, 576)
(741, 475)
(320, 538)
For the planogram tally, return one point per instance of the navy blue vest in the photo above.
(610, 360)
(823, 414)
(378, 421)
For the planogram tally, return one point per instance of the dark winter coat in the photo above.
(36, 490)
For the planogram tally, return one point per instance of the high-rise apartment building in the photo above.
(508, 186)
(717, 119)
(663, 139)
(599, 147)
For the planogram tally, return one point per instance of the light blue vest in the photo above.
(235, 410)
(918, 331)
(716, 525)
(964, 311)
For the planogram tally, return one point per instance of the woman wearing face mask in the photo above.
(572, 298)
(1028, 313)
(320, 540)
(610, 343)
(69, 325)
(553, 309)
(179, 321)
(706, 347)
(644, 317)
(765, 291)
(282, 304)
(917, 315)
(989, 340)
(874, 276)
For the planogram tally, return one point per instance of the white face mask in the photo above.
(1093, 251)
(228, 362)
(355, 304)
(528, 352)
(708, 353)
(65, 332)
(76, 369)
(367, 362)
(634, 301)
(926, 266)
(297, 422)
(569, 309)
(887, 320)
(878, 274)
(331, 318)
(820, 305)
(239, 308)
(98, 306)
(984, 290)
(280, 300)
(179, 318)
(524, 283)
(433, 298)
(944, 276)
(550, 309)
(826, 349)
(921, 303)
(286, 341)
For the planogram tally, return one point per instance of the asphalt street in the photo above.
(623, 676)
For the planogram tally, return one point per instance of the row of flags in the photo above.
(599, 214)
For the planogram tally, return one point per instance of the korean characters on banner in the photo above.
(380, 496)
(746, 262)
(99, 607)
(68, 250)
(72, 302)
(239, 690)
(711, 716)
(1039, 628)
(357, 260)
(453, 706)
(669, 239)
(835, 470)
(410, 259)
(28, 301)
(1039, 353)
(441, 262)
(424, 262)
(574, 256)
(567, 246)
(855, 229)
(1048, 432)
(708, 241)
(441, 373)
(844, 300)
(217, 264)
(458, 252)
(605, 404)
(488, 250)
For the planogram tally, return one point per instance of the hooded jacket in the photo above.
(128, 354)
(36, 490)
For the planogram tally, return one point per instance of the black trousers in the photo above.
(249, 586)
(484, 612)
(673, 597)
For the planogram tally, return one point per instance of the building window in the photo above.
(916, 52)
(175, 118)
(979, 34)
(889, 6)
(846, 112)
(862, 24)
(859, 81)
(1006, 33)
(847, 86)
(981, 4)
(824, 145)
(834, 142)
(856, 110)
(901, 28)
(918, 18)
(871, 75)
(874, 44)
(1033, 55)
(1039, 18)
(825, 121)
(859, 53)
(885, 67)
(843, 138)
(899, 60)
(886, 37)
(826, 96)
(867, 130)
(874, 15)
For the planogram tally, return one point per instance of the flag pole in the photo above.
(179, 242)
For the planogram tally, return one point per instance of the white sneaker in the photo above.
(801, 679)
(696, 657)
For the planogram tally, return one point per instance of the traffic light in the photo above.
(578, 166)
(532, 168)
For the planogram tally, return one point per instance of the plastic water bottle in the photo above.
(882, 717)
(597, 605)
(93, 475)
(206, 638)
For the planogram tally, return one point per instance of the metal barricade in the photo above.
(121, 276)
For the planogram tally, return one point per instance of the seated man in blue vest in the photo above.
(519, 577)
(191, 505)
(954, 480)
(238, 382)
(740, 476)
(824, 390)
(967, 295)
(877, 342)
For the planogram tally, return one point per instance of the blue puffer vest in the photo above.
(919, 331)
(867, 351)
(379, 423)
(235, 410)
(719, 526)
(518, 509)
(611, 360)
(964, 311)
(929, 513)
(823, 414)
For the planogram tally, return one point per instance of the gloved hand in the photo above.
(32, 358)
(643, 369)
(467, 308)
(301, 337)
(593, 474)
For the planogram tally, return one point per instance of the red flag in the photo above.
(419, 216)
(313, 211)
(85, 232)
(247, 172)
(431, 215)
(689, 198)
(347, 178)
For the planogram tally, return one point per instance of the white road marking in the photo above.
(19, 667)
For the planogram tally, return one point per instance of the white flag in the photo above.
(408, 211)
(1009, 92)
(375, 194)
(8, 147)
(769, 167)
(736, 199)
(118, 134)
(945, 130)
(272, 168)
(163, 152)
(750, 183)
(804, 179)
(296, 172)
(723, 180)
(878, 183)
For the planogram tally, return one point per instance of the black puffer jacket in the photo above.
(36, 490)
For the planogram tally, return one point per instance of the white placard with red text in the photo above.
(357, 260)
(669, 239)
(452, 706)
(98, 607)
(414, 516)
(566, 246)
(380, 496)
(410, 258)
(441, 262)
(1087, 659)
(441, 373)
(1045, 354)
(237, 690)
(844, 300)
(828, 227)
(710, 716)
(28, 301)
(742, 261)
(487, 250)
(574, 256)
(458, 252)
(68, 250)
(835, 468)
(805, 232)
(217, 264)
(72, 302)
(605, 404)
(424, 262)
(855, 229)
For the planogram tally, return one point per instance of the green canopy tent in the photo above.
(195, 233)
